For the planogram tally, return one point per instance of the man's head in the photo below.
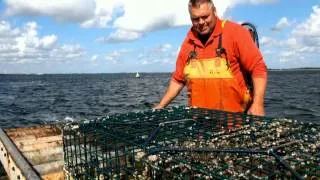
(203, 16)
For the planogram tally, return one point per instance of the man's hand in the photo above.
(256, 110)
(172, 91)
(157, 106)
(259, 88)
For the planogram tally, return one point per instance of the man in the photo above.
(213, 61)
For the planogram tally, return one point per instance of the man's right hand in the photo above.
(172, 91)
(157, 106)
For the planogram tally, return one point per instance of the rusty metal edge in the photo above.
(27, 171)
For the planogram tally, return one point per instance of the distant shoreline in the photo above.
(297, 69)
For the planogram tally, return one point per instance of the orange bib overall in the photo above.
(212, 85)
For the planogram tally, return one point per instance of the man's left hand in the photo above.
(256, 109)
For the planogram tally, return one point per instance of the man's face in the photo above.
(203, 18)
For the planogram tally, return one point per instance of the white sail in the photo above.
(137, 75)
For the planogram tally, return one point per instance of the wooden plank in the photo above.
(38, 131)
(13, 161)
(37, 146)
(41, 156)
(29, 140)
(50, 167)
(42, 146)
(54, 176)
(31, 144)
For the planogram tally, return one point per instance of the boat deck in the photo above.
(41, 147)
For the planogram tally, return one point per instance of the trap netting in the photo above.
(188, 143)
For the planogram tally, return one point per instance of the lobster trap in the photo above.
(191, 143)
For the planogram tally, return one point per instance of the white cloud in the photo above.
(71, 51)
(61, 10)
(312, 25)
(113, 57)
(258, 1)
(166, 47)
(162, 48)
(6, 30)
(291, 58)
(291, 43)
(94, 58)
(282, 23)
(145, 62)
(155, 15)
(104, 13)
(130, 19)
(29, 40)
(160, 55)
(267, 52)
(48, 42)
(126, 14)
(266, 41)
(307, 34)
(309, 31)
(152, 15)
(287, 54)
(120, 36)
(97, 21)
(302, 47)
(24, 45)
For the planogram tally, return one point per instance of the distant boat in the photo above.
(137, 75)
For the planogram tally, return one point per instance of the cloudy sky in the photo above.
(108, 36)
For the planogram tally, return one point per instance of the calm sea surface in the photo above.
(27, 100)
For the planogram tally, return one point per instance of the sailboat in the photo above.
(137, 75)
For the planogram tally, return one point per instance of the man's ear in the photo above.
(214, 10)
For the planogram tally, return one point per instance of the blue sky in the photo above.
(111, 36)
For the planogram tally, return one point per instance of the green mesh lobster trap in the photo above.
(191, 143)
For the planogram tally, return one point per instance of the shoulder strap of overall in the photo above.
(220, 50)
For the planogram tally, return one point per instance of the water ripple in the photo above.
(27, 100)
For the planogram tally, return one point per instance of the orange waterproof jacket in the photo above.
(216, 81)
